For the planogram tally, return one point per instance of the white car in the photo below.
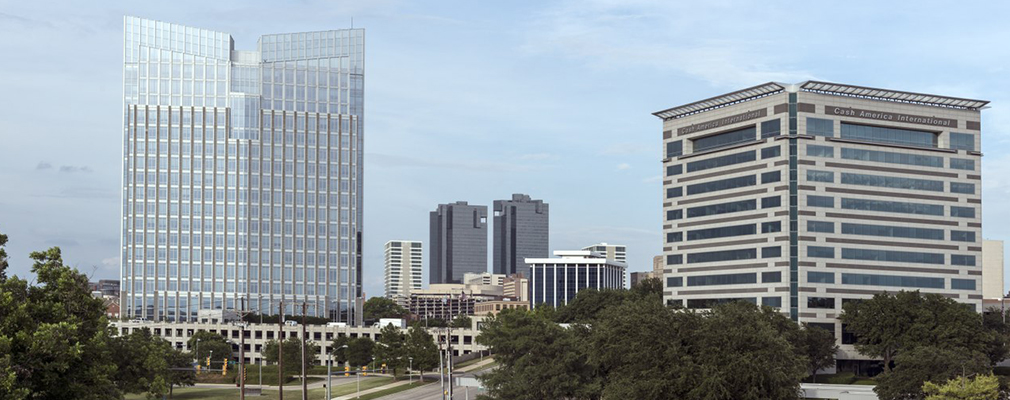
(291, 322)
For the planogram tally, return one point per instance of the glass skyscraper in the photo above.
(242, 172)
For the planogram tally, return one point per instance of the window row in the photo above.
(724, 184)
(725, 139)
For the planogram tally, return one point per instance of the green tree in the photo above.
(337, 348)
(381, 307)
(391, 348)
(145, 365)
(3, 258)
(462, 321)
(292, 354)
(744, 354)
(997, 343)
(360, 351)
(537, 358)
(421, 346)
(890, 323)
(651, 287)
(643, 351)
(54, 337)
(923, 364)
(210, 343)
(982, 387)
(818, 346)
(589, 303)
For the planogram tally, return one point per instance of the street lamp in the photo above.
(329, 372)
(197, 355)
(411, 368)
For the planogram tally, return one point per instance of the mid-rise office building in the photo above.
(521, 230)
(517, 287)
(616, 252)
(449, 300)
(992, 269)
(485, 278)
(556, 281)
(403, 269)
(458, 239)
(806, 196)
(242, 172)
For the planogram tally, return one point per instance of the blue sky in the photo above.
(478, 100)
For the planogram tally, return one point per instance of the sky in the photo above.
(475, 101)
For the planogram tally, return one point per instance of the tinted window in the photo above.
(820, 252)
(967, 188)
(892, 280)
(771, 176)
(820, 277)
(820, 201)
(881, 134)
(895, 182)
(728, 279)
(771, 252)
(771, 152)
(770, 277)
(820, 127)
(771, 128)
(721, 161)
(892, 158)
(725, 139)
(962, 141)
(723, 184)
(770, 202)
(892, 256)
(962, 212)
(820, 176)
(960, 163)
(674, 149)
(723, 231)
(814, 150)
(892, 206)
(962, 284)
(820, 226)
(723, 255)
(892, 231)
(715, 209)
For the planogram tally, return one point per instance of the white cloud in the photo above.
(623, 166)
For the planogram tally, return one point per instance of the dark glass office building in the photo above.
(521, 227)
(458, 237)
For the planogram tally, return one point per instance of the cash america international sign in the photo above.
(715, 123)
(890, 117)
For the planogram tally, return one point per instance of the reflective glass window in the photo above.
(892, 280)
(814, 150)
(892, 157)
(727, 279)
(962, 236)
(771, 202)
(820, 201)
(771, 128)
(821, 302)
(771, 277)
(960, 259)
(820, 277)
(771, 152)
(892, 231)
(907, 137)
(820, 176)
(820, 127)
(674, 148)
(723, 208)
(962, 284)
(724, 184)
(820, 226)
(725, 139)
(892, 256)
(894, 182)
(771, 252)
(892, 206)
(820, 252)
(962, 141)
(962, 212)
(722, 255)
(723, 231)
(963, 164)
(721, 161)
(966, 188)
(771, 176)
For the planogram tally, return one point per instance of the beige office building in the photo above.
(403, 270)
(992, 269)
(805, 196)
(617, 252)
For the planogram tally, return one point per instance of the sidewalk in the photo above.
(372, 390)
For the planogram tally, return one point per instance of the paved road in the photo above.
(433, 391)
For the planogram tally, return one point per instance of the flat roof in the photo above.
(835, 89)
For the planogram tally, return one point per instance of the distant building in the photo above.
(657, 272)
(616, 252)
(992, 269)
(458, 233)
(107, 287)
(521, 227)
(403, 269)
(516, 287)
(495, 306)
(484, 278)
(449, 300)
(556, 281)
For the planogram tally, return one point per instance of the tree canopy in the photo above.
(210, 343)
(626, 344)
(391, 348)
(149, 364)
(927, 337)
(54, 338)
(292, 354)
(381, 307)
(982, 387)
(421, 346)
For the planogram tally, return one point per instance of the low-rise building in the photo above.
(556, 281)
(516, 287)
(484, 278)
(463, 340)
(447, 301)
(493, 307)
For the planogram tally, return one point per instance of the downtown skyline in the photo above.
(523, 114)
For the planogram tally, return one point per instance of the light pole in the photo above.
(197, 355)
(211, 358)
(329, 372)
(411, 367)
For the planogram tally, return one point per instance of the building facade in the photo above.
(485, 278)
(458, 239)
(656, 273)
(618, 252)
(807, 196)
(403, 269)
(516, 287)
(992, 269)
(556, 281)
(446, 301)
(242, 172)
(521, 230)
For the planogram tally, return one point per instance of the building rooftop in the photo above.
(836, 89)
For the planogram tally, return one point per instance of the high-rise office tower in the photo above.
(521, 228)
(458, 237)
(242, 172)
(618, 252)
(804, 197)
(403, 270)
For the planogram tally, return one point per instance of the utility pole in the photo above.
(305, 384)
(280, 350)
(448, 358)
(241, 349)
